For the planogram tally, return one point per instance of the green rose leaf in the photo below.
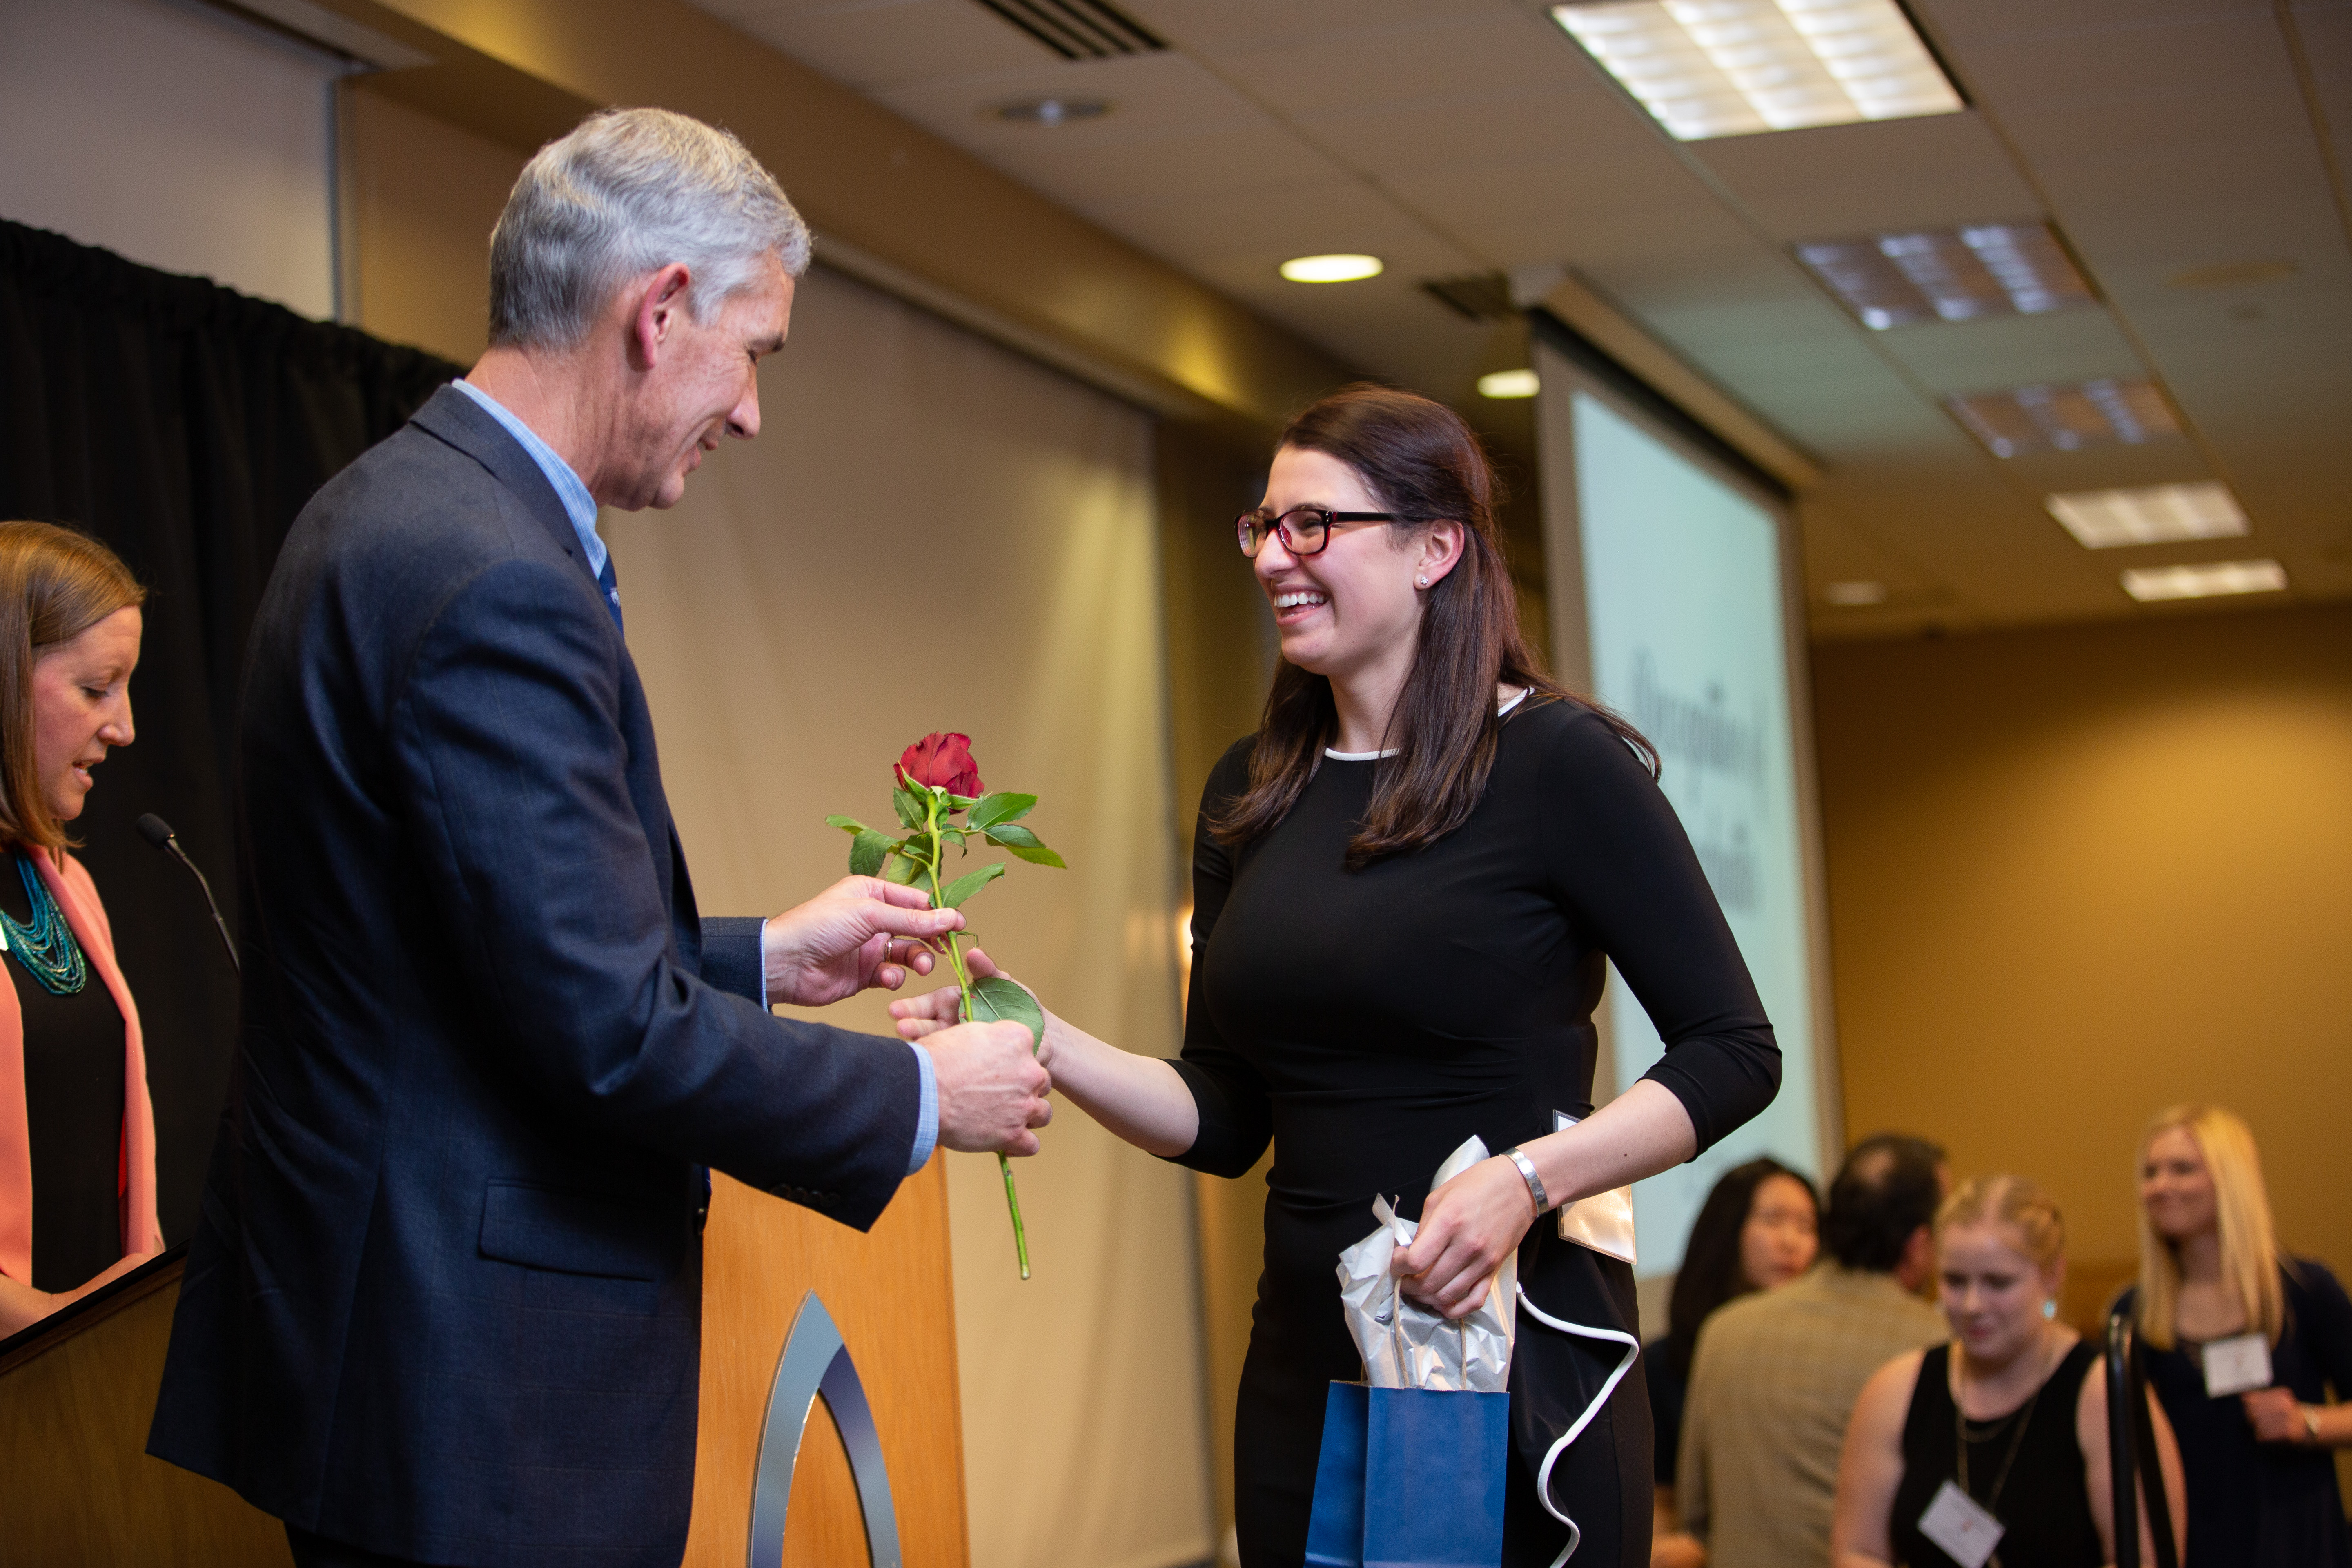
(898, 869)
(963, 887)
(913, 808)
(1002, 806)
(996, 999)
(1025, 844)
(960, 801)
(848, 825)
(867, 853)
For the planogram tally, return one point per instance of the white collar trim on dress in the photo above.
(1375, 756)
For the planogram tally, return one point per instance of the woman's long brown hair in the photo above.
(55, 585)
(1421, 460)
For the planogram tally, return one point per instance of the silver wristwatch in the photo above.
(1529, 1175)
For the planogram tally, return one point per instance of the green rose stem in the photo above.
(963, 1009)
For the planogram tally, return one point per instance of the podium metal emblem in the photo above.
(816, 1365)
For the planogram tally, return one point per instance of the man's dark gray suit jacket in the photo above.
(444, 1298)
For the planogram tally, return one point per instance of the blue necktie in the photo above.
(611, 586)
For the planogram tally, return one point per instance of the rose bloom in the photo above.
(944, 761)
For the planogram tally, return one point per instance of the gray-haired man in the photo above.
(443, 1304)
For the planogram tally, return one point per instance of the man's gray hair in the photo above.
(627, 192)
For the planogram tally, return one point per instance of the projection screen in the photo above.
(1671, 575)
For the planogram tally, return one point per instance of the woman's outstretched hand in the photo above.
(926, 1014)
(1468, 1227)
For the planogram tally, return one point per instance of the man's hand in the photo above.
(860, 932)
(1468, 1227)
(991, 1089)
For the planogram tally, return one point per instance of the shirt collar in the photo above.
(577, 504)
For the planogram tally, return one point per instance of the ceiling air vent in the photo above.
(1480, 296)
(1079, 29)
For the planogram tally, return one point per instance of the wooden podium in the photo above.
(77, 1391)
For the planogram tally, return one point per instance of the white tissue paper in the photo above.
(1408, 1346)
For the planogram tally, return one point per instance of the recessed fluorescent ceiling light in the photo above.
(1732, 67)
(1948, 275)
(2066, 418)
(1330, 268)
(1508, 384)
(2210, 581)
(2152, 515)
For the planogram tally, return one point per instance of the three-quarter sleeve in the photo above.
(1236, 1118)
(1623, 863)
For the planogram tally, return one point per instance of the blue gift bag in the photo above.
(1410, 1477)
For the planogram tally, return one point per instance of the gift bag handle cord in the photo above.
(1551, 1456)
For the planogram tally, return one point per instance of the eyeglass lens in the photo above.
(1303, 529)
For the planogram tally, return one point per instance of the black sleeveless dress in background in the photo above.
(74, 1070)
(2045, 1502)
(1369, 1022)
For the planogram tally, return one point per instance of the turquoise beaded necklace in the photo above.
(44, 945)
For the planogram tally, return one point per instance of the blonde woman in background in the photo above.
(2238, 1339)
(2005, 1426)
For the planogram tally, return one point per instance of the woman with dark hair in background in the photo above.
(1760, 1228)
(77, 1131)
(1405, 886)
(2241, 1341)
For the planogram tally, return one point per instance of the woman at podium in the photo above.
(76, 1130)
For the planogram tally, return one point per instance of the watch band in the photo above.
(1527, 1173)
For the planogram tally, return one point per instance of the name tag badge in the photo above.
(1959, 1524)
(2236, 1364)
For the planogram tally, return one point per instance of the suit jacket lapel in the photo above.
(458, 419)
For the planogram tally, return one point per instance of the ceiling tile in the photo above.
(2139, 64)
(2013, 351)
(870, 46)
(1858, 179)
(1215, 28)
(1397, 65)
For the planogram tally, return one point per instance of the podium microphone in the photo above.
(158, 832)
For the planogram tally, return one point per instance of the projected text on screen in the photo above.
(1684, 609)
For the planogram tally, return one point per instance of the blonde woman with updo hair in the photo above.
(1999, 1438)
(2240, 1340)
(76, 1130)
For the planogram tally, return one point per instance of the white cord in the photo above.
(1543, 1477)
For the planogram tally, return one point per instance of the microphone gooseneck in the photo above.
(158, 832)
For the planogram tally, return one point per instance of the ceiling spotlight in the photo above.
(1049, 112)
(1854, 595)
(2210, 581)
(1335, 269)
(2066, 418)
(1731, 68)
(1948, 275)
(2150, 514)
(1508, 384)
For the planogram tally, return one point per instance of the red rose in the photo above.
(944, 761)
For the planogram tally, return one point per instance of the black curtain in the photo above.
(184, 425)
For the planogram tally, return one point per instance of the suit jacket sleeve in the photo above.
(507, 730)
(731, 959)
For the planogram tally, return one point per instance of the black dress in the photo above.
(2263, 1505)
(1369, 1022)
(73, 1114)
(2040, 1495)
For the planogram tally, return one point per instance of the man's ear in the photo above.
(660, 306)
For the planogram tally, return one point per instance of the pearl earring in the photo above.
(1425, 582)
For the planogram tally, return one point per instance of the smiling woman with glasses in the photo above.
(1405, 886)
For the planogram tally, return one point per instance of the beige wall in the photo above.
(173, 135)
(2078, 874)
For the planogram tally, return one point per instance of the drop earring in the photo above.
(2048, 1306)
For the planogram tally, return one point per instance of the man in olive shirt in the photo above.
(1776, 1374)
